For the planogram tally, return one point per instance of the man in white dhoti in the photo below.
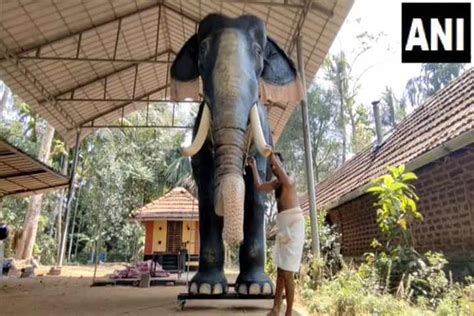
(290, 235)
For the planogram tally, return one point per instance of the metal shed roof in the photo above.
(25, 175)
(88, 63)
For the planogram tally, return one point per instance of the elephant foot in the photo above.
(253, 283)
(211, 283)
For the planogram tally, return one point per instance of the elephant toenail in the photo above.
(267, 289)
(217, 289)
(193, 288)
(205, 288)
(243, 289)
(254, 289)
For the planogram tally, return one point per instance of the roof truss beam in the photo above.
(80, 59)
(37, 48)
(90, 122)
(285, 3)
(135, 100)
(139, 126)
(104, 77)
(304, 12)
(48, 98)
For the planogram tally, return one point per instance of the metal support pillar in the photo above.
(70, 197)
(308, 154)
(2, 257)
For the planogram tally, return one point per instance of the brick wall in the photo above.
(357, 224)
(446, 191)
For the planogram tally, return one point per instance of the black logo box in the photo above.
(426, 11)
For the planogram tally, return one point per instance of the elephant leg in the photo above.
(252, 279)
(210, 278)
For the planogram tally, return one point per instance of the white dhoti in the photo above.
(289, 239)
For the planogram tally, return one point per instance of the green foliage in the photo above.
(433, 77)
(326, 148)
(393, 111)
(396, 206)
(400, 267)
(429, 280)
(119, 171)
(395, 280)
(353, 292)
(329, 240)
(313, 271)
(270, 267)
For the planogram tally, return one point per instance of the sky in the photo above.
(382, 64)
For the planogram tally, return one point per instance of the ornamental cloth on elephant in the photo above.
(289, 239)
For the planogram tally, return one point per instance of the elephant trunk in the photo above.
(230, 187)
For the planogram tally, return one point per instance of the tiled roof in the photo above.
(178, 203)
(443, 117)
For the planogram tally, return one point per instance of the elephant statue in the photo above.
(240, 69)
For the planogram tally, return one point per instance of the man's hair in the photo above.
(278, 190)
(278, 154)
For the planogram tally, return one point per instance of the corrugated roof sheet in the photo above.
(83, 63)
(178, 203)
(442, 117)
(22, 174)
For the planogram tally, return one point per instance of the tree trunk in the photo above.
(3, 100)
(391, 108)
(352, 119)
(76, 246)
(342, 127)
(24, 249)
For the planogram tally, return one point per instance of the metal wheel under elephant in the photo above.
(171, 230)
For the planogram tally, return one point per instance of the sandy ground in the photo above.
(71, 294)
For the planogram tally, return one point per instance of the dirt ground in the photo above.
(71, 294)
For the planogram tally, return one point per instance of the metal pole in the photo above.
(2, 257)
(70, 197)
(71, 237)
(97, 243)
(99, 223)
(2, 245)
(308, 154)
(378, 122)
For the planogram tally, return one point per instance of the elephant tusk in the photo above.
(201, 134)
(259, 139)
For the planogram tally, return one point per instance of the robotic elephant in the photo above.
(239, 67)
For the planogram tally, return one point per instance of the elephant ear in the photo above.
(280, 81)
(184, 72)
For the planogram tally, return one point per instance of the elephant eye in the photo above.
(258, 50)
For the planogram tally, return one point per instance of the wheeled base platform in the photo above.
(183, 297)
(136, 282)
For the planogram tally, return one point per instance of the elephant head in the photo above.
(239, 66)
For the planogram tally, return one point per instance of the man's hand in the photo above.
(251, 162)
(276, 163)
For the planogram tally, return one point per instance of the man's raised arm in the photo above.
(259, 185)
